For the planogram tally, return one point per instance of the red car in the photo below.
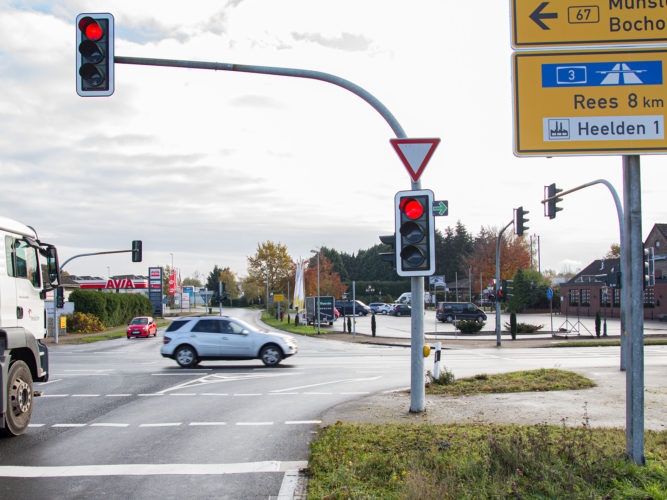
(142, 326)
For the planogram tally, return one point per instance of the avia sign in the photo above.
(123, 283)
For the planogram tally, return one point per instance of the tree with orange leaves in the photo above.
(330, 283)
(514, 254)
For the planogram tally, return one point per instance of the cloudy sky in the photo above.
(203, 165)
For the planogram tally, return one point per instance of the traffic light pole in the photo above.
(417, 404)
(500, 236)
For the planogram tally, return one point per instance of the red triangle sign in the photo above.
(415, 154)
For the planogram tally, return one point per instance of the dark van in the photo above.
(345, 307)
(454, 311)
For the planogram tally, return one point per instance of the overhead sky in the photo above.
(203, 165)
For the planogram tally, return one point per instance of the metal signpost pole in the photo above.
(633, 277)
(500, 235)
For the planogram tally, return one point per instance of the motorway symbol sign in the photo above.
(589, 102)
(441, 208)
(415, 154)
(538, 23)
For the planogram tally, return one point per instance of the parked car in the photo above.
(380, 307)
(191, 340)
(349, 307)
(142, 326)
(401, 310)
(451, 311)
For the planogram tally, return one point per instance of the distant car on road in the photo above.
(454, 311)
(191, 340)
(401, 310)
(142, 326)
(380, 307)
(350, 307)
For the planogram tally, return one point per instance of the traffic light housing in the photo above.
(136, 251)
(551, 206)
(520, 221)
(94, 55)
(60, 297)
(649, 267)
(506, 291)
(415, 233)
(389, 240)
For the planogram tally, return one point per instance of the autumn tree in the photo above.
(272, 262)
(514, 254)
(614, 252)
(330, 282)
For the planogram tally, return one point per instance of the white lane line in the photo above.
(283, 393)
(151, 394)
(36, 425)
(318, 393)
(254, 423)
(175, 374)
(214, 394)
(248, 394)
(49, 382)
(183, 394)
(105, 424)
(164, 424)
(54, 395)
(203, 424)
(328, 383)
(85, 395)
(303, 422)
(69, 425)
(150, 469)
(118, 395)
(355, 393)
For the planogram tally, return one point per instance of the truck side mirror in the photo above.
(52, 265)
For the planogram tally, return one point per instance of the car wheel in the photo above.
(186, 356)
(449, 318)
(270, 355)
(19, 399)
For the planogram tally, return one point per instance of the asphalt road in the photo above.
(119, 421)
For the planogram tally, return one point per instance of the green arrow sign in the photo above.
(441, 208)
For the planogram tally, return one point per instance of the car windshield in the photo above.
(139, 321)
(175, 325)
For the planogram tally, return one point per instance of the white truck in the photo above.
(406, 298)
(23, 287)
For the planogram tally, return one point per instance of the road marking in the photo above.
(117, 395)
(183, 394)
(165, 424)
(54, 395)
(289, 484)
(104, 424)
(69, 425)
(85, 395)
(355, 393)
(327, 383)
(194, 424)
(151, 394)
(150, 469)
(254, 423)
(303, 422)
(214, 394)
(248, 394)
(36, 425)
(318, 393)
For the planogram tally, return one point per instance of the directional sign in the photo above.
(539, 23)
(415, 154)
(441, 208)
(589, 102)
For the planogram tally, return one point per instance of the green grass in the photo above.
(291, 327)
(521, 381)
(426, 462)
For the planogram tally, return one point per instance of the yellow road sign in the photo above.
(589, 102)
(539, 23)
(278, 297)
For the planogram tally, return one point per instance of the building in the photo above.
(597, 287)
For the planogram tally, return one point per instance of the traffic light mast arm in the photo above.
(93, 253)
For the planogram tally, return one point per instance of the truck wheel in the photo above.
(19, 399)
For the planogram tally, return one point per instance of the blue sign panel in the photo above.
(602, 74)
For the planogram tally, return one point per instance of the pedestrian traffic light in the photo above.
(520, 221)
(550, 206)
(60, 297)
(649, 267)
(136, 251)
(94, 55)
(415, 233)
(389, 240)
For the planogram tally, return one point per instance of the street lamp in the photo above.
(318, 288)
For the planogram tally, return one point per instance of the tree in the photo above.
(514, 254)
(530, 291)
(271, 262)
(190, 281)
(614, 252)
(227, 278)
(330, 282)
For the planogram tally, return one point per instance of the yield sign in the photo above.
(415, 154)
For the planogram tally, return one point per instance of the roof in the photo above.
(596, 270)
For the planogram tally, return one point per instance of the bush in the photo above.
(468, 326)
(524, 327)
(83, 323)
(112, 309)
(444, 378)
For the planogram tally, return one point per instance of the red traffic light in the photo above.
(91, 28)
(412, 208)
(95, 54)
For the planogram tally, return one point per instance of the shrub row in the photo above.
(83, 323)
(112, 309)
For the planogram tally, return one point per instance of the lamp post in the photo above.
(318, 288)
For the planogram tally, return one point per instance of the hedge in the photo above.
(112, 309)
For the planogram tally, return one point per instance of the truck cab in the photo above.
(23, 287)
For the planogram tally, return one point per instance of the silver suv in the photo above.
(194, 339)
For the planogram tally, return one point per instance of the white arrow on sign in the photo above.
(415, 154)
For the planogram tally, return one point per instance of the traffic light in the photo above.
(136, 251)
(649, 267)
(551, 206)
(415, 233)
(390, 240)
(60, 297)
(501, 296)
(94, 55)
(520, 221)
(506, 290)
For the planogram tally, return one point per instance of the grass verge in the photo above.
(482, 461)
(289, 327)
(521, 381)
